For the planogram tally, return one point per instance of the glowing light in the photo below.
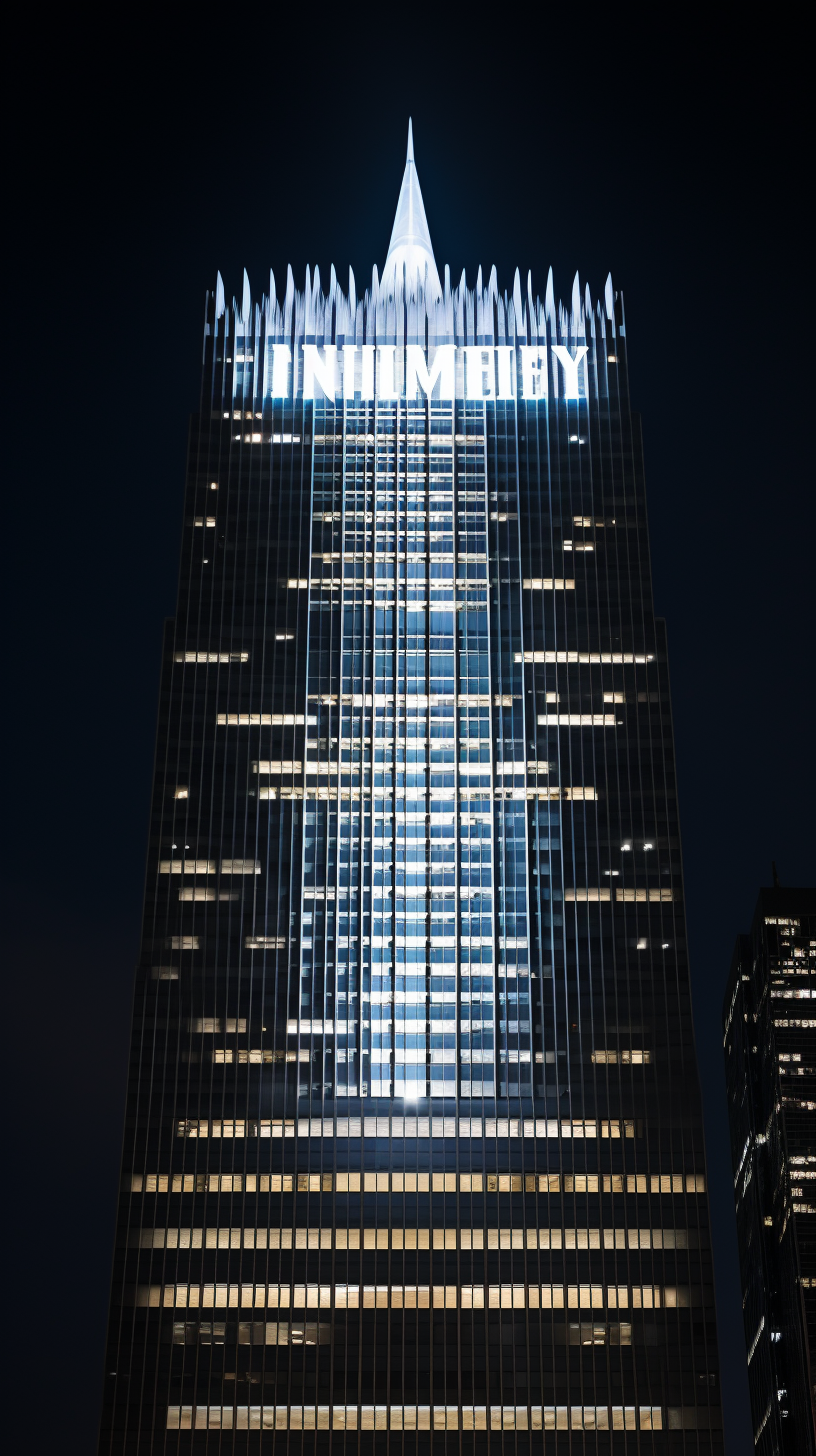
(419, 376)
(570, 367)
(532, 374)
(319, 371)
(281, 360)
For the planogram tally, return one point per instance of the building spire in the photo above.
(410, 244)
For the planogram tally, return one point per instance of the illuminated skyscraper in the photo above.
(770, 1067)
(413, 1141)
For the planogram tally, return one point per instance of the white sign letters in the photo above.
(386, 372)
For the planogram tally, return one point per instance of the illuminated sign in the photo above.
(389, 372)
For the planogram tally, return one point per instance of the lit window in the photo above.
(625, 1057)
(256, 1056)
(419, 1182)
(547, 583)
(240, 867)
(298, 583)
(187, 867)
(205, 658)
(205, 896)
(577, 720)
(181, 793)
(661, 897)
(405, 1239)
(614, 697)
(409, 1417)
(412, 1296)
(260, 720)
(210, 1025)
(589, 659)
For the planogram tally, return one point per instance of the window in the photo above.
(577, 720)
(548, 583)
(209, 1025)
(256, 1056)
(418, 1417)
(206, 658)
(260, 720)
(405, 1238)
(187, 867)
(589, 659)
(205, 895)
(214, 1332)
(652, 896)
(413, 1296)
(626, 1057)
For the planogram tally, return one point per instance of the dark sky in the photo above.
(141, 158)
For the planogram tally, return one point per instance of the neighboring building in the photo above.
(413, 1135)
(769, 1021)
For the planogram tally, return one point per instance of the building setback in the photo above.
(413, 1136)
(769, 1037)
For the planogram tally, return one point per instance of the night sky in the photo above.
(141, 158)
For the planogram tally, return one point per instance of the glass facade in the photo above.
(413, 1140)
(769, 1038)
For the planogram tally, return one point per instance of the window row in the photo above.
(415, 1418)
(419, 1238)
(416, 1296)
(417, 1183)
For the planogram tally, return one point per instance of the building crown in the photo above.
(410, 245)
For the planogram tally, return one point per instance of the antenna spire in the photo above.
(410, 247)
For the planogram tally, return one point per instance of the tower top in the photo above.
(410, 244)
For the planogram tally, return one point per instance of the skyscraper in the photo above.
(769, 1039)
(413, 1138)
